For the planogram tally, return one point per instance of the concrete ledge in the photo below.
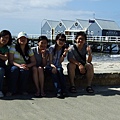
(103, 79)
(106, 79)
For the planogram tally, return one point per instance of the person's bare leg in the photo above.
(89, 74)
(71, 73)
(35, 79)
(41, 79)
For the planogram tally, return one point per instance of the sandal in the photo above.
(89, 89)
(37, 95)
(72, 89)
(43, 94)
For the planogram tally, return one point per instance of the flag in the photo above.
(91, 21)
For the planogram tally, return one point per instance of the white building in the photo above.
(95, 27)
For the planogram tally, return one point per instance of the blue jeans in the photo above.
(2, 73)
(59, 80)
(18, 78)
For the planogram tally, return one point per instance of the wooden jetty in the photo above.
(98, 43)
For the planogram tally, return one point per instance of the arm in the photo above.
(11, 60)
(89, 52)
(72, 60)
(54, 69)
(32, 61)
(63, 55)
(50, 59)
(4, 57)
(44, 57)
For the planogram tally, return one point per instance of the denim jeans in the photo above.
(18, 78)
(59, 80)
(2, 73)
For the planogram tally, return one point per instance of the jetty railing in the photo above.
(114, 39)
(98, 43)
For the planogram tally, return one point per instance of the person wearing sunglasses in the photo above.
(57, 53)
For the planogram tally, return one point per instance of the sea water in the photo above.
(105, 57)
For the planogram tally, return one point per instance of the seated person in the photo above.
(21, 60)
(5, 40)
(41, 55)
(80, 57)
(57, 53)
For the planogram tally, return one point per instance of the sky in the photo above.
(30, 15)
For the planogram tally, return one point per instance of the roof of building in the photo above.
(107, 24)
(53, 23)
(68, 23)
(84, 23)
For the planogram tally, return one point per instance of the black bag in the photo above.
(83, 61)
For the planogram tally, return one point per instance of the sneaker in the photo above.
(59, 95)
(9, 94)
(65, 94)
(1, 94)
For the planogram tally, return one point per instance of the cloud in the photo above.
(24, 5)
(29, 14)
(50, 3)
(36, 9)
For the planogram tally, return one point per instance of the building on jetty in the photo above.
(95, 27)
(103, 35)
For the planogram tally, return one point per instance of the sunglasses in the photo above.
(63, 40)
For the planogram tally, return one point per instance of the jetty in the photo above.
(98, 43)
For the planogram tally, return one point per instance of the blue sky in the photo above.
(29, 15)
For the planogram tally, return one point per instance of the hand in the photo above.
(82, 69)
(24, 66)
(65, 52)
(89, 50)
(43, 53)
(54, 70)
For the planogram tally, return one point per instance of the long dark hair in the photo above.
(18, 48)
(57, 37)
(4, 33)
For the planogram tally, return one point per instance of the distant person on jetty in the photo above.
(21, 59)
(57, 53)
(41, 55)
(5, 41)
(79, 63)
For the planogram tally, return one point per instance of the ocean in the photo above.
(105, 57)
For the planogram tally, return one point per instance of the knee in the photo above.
(40, 69)
(14, 69)
(89, 66)
(71, 66)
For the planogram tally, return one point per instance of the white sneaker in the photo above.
(1, 94)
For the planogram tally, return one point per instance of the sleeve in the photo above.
(6, 50)
(12, 49)
(31, 53)
(50, 50)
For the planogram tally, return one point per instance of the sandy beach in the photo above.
(101, 67)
